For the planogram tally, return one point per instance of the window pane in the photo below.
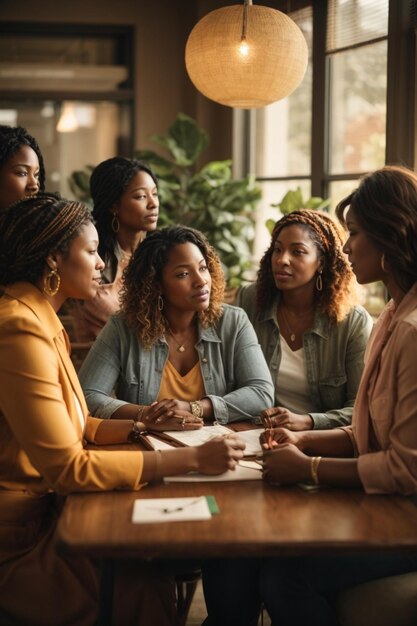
(358, 91)
(283, 129)
(350, 23)
(340, 189)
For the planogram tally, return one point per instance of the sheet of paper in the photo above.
(245, 470)
(154, 510)
(251, 438)
(159, 444)
(197, 437)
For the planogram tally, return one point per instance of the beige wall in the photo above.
(162, 87)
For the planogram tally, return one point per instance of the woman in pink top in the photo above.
(378, 452)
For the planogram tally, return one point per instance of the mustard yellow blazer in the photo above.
(42, 453)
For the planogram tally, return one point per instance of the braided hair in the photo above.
(107, 184)
(34, 228)
(12, 138)
(385, 206)
(140, 292)
(338, 294)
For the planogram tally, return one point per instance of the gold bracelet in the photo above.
(139, 415)
(314, 466)
(197, 408)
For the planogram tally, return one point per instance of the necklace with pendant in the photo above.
(291, 333)
(180, 346)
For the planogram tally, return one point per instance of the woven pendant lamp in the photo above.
(246, 56)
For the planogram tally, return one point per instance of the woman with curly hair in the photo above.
(126, 207)
(312, 333)
(176, 355)
(22, 172)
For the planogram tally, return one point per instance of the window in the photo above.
(353, 112)
(71, 87)
(356, 55)
(282, 143)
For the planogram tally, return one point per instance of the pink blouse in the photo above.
(384, 422)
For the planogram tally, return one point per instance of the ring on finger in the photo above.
(183, 423)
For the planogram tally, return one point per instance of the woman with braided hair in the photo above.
(48, 253)
(312, 333)
(22, 172)
(126, 207)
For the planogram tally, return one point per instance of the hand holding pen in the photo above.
(273, 437)
(266, 438)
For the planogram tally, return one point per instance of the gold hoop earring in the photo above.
(160, 303)
(115, 224)
(47, 283)
(319, 282)
(383, 263)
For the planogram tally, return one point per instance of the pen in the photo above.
(268, 427)
(178, 508)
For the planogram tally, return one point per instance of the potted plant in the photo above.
(293, 201)
(208, 198)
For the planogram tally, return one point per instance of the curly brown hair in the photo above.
(140, 292)
(339, 286)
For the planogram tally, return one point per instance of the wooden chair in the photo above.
(186, 586)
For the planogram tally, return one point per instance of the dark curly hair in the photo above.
(12, 138)
(34, 228)
(107, 184)
(139, 296)
(385, 206)
(339, 293)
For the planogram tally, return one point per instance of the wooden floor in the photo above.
(198, 611)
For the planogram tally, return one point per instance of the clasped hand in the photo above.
(170, 414)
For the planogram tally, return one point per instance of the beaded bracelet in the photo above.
(314, 466)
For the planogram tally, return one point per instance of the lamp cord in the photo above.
(246, 3)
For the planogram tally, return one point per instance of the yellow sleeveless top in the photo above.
(173, 385)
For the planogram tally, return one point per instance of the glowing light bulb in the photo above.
(243, 48)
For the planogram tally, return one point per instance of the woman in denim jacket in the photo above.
(312, 335)
(176, 355)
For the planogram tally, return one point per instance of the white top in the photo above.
(291, 389)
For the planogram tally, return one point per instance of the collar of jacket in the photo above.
(34, 299)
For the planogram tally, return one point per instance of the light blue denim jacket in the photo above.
(235, 374)
(334, 356)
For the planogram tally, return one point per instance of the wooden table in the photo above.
(255, 520)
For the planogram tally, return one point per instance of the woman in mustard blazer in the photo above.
(48, 253)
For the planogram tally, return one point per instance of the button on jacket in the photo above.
(334, 356)
(234, 371)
